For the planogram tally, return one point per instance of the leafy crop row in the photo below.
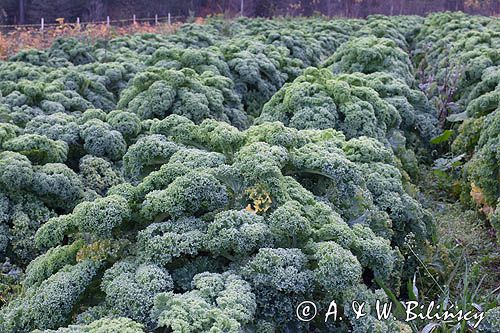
(467, 48)
(211, 180)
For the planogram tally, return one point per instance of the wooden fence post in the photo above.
(78, 20)
(169, 22)
(156, 19)
(107, 21)
(133, 18)
(42, 24)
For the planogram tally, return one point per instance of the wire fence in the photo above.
(169, 19)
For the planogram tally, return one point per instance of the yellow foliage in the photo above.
(477, 195)
(100, 250)
(260, 199)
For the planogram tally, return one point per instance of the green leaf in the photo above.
(456, 117)
(445, 136)
(445, 164)
(440, 174)
(400, 311)
(412, 288)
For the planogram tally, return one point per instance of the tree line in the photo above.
(30, 11)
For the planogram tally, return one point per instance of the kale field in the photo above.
(213, 179)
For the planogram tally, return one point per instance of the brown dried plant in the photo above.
(23, 38)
